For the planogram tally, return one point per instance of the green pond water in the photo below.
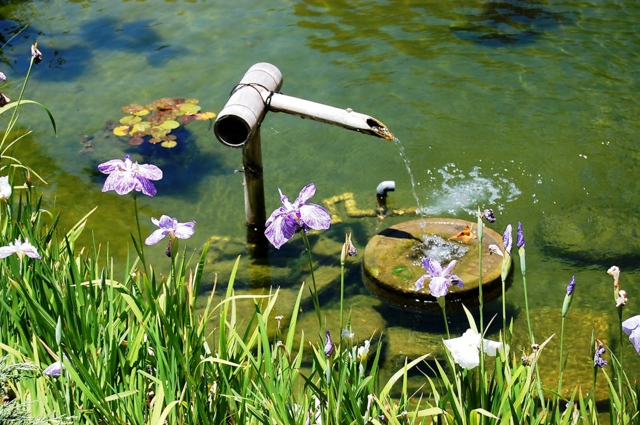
(527, 107)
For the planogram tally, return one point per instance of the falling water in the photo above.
(421, 208)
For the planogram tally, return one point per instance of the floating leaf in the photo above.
(169, 144)
(155, 120)
(122, 130)
(132, 109)
(189, 108)
(141, 113)
(154, 140)
(192, 101)
(165, 103)
(158, 132)
(141, 127)
(135, 141)
(130, 119)
(203, 116)
(187, 118)
(170, 124)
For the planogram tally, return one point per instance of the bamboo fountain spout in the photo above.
(238, 126)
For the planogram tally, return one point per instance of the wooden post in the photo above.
(254, 205)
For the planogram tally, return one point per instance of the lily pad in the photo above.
(142, 126)
(122, 130)
(189, 108)
(130, 119)
(187, 119)
(158, 132)
(141, 113)
(169, 144)
(158, 119)
(132, 109)
(203, 116)
(170, 124)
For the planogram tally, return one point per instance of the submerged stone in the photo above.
(591, 235)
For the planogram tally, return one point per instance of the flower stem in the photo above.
(140, 242)
(314, 291)
(561, 369)
(441, 301)
(621, 337)
(14, 113)
(523, 270)
(480, 297)
(341, 295)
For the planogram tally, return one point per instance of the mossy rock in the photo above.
(588, 235)
(579, 326)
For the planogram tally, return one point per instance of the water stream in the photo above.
(407, 163)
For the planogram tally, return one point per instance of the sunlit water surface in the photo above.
(529, 108)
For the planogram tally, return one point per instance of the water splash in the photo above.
(437, 248)
(461, 191)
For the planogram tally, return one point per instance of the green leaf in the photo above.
(190, 108)
(169, 125)
(11, 105)
(130, 119)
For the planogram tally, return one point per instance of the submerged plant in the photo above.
(155, 121)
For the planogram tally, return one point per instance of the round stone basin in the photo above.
(393, 262)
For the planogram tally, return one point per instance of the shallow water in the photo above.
(528, 108)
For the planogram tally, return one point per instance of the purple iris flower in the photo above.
(125, 176)
(170, 226)
(441, 278)
(598, 361)
(488, 214)
(632, 328)
(507, 239)
(54, 370)
(328, 344)
(285, 221)
(520, 238)
(571, 285)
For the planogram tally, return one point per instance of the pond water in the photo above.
(526, 107)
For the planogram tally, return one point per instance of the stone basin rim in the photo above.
(386, 252)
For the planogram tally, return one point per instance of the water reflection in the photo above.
(417, 29)
(496, 23)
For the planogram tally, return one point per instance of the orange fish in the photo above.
(465, 236)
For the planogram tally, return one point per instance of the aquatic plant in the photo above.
(154, 122)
